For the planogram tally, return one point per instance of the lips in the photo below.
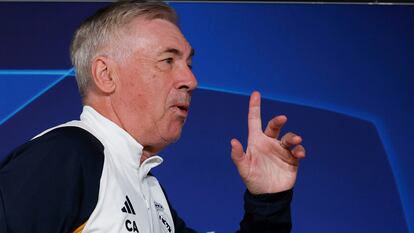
(181, 108)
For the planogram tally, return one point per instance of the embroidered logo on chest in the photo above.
(162, 217)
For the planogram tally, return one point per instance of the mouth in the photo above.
(182, 109)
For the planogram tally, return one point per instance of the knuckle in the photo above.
(299, 148)
(273, 125)
(289, 135)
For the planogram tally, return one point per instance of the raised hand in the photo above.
(269, 165)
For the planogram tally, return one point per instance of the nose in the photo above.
(187, 79)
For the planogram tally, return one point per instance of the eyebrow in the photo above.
(178, 52)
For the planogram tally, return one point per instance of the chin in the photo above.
(172, 137)
(171, 133)
(175, 138)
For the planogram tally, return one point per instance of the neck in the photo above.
(150, 150)
(145, 155)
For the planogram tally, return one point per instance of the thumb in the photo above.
(237, 153)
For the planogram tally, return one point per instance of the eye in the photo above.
(190, 66)
(169, 60)
(166, 64)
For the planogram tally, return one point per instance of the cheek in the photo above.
(159, 94)
(171, 126)
(136, 89)
(171, 123)
(133, 96)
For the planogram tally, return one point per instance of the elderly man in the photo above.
(133, 68)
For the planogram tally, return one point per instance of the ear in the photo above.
(102, 75)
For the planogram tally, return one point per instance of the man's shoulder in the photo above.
(55, 176)
(58, 146)
(68, 137)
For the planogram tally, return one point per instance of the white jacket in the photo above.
(129, 199)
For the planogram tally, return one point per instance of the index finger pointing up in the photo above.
(254, 119)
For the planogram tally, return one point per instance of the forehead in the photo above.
(153, 36)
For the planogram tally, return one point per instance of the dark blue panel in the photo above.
(352, 59)
(19, 88)
(57, 105)
(37, 35)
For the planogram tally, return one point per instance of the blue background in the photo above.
(342, 73)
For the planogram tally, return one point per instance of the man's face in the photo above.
(154, 82)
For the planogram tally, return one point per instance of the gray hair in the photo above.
(100, 29)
